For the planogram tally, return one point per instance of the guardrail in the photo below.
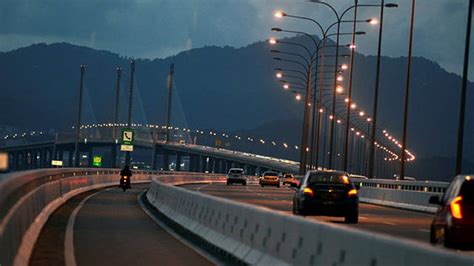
(261, 236)
(412, 195)
(28, 198)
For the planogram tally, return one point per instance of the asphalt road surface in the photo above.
(110, 228)
(391, 221)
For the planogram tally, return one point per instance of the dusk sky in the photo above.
(157, 29)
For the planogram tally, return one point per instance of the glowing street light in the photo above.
(298, 97)
(279, 75)
(353, 106)
(340, 78)
(286, 86)
(280, 14)
(272, 41)
(373, 21)
(361, 113)
(339, 89)
(344, 66)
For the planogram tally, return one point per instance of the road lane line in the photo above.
(363, 218)
(199, 188)
(389, 223)
(424, 230)
(69, 257)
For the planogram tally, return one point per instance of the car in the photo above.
(236, 175)
(328, 193)
(453, 223)
(288, 179)
(269, 178)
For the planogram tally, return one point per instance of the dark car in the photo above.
(453, 224)
(328, 193)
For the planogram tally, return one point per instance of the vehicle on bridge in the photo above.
(236, 175)
(453, 224)
(125, 178)
(269, 178)
(328, 193)
(288, 179)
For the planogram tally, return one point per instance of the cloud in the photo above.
(159, 28)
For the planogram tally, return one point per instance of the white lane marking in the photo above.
(363, 218)
(170, 231)
(389, 223)
(199, 189)
(424, 230)
(69, 257)
(268, 197)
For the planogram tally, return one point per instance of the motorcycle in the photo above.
(125, 183)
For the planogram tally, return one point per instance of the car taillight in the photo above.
(352, 192)
(455, 207)
(308, 191)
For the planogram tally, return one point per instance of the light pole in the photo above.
(170, 102)
(407, 94)
(78, 124)
(308, 69)
(117, 98)
(130, 101)
(459, 151)
(376, 97)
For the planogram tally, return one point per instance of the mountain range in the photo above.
(228, 89)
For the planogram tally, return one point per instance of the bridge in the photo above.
(61, 203)
(53, 215)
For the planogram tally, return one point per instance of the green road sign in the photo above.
(97, 161)
(127, 136)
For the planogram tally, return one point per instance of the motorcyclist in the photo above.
(127, 173)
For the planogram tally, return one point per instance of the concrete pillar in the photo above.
(178, 161)
(166, 160)
(27, 160)
(89, 157)
(199, 160)
(70, 157)
(204, 163)
(113, 152)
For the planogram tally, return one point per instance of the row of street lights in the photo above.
(337, 89)
(405, 155)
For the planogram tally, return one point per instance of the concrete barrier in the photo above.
(260, 236)
(28, 198)
(409, 200)
(400, 194)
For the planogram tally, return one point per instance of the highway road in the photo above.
(391, 221)
(109, 228)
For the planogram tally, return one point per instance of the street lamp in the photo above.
(376, 93)
(459, 150)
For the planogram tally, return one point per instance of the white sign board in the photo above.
(126, 147)
(56, 163)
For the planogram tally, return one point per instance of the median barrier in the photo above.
(257, 235)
